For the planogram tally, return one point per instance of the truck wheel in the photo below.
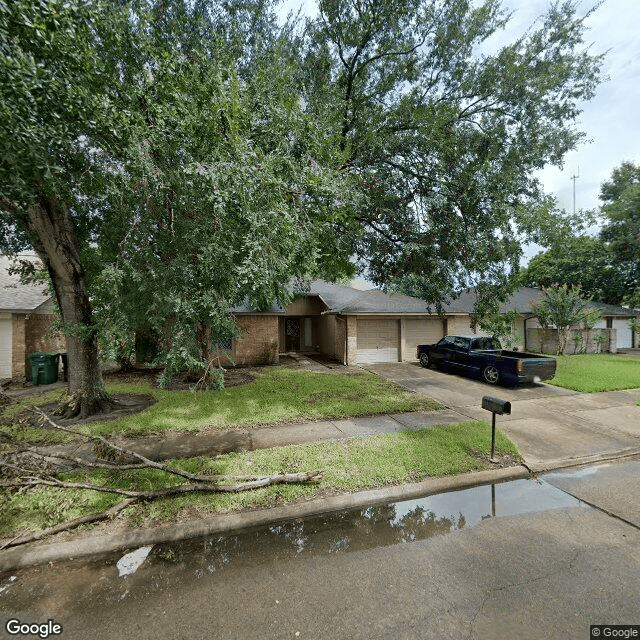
(491, 374)
(424, 360)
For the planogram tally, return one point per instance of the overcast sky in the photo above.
(611, 120)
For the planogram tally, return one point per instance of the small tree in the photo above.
(502, 326)
(600, 338)
(563, 307)
(590, 318)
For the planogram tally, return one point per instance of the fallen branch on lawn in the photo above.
(107, 514)
(31, 478)
(206, 487)
(146, 463)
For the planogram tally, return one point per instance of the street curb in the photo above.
(565, 463)
(224, 523)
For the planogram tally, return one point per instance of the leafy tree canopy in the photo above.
(621, 232)
(564, 307)
(442, 137)
(606, 267)
(577, 260)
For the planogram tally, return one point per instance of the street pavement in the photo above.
(520, 559)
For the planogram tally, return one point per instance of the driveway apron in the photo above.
(548, 424)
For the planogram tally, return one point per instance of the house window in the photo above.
(224, 344)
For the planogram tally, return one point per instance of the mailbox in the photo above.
(495, 405)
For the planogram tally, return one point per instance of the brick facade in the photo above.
(548, 338)
(259, 341)
(352, 340)
(31, 333)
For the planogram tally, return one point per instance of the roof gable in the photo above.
(17, 297)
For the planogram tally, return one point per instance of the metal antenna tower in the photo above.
(574, 177)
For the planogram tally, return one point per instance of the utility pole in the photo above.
(574, 177)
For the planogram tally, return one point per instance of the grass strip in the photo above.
(591, 373)
(277, 395)
(349, 465)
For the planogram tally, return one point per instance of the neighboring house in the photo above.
(26, 322)
(355, 326)
(614, 323)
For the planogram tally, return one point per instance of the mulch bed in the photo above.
(124, 404)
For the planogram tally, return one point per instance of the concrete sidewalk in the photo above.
(184, 445)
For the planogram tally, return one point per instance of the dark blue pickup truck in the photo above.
(485, 358)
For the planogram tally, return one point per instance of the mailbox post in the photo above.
(495, 405)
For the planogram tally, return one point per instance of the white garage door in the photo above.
(5, 347)
(378, 340)
(624, 336)
(420, 331)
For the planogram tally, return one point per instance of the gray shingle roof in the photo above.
(524, 298)
(348, 300)
(16, 297)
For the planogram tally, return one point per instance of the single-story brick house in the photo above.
(614, 323)
(26, 322)
(355, 326)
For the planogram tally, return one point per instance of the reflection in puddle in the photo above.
(160, 569)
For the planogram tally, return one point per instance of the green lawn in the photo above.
(277, 395)
(590, 373)
(350, 465)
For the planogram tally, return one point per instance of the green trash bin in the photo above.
(44, 367)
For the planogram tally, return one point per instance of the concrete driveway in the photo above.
(549, 424)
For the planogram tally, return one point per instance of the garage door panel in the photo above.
(5, 347)
(421, 331)
(624, 335)
(378, 340)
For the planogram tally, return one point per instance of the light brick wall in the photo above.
(536, 335)
(259, 341)
(352, 340)
(39, 335)
(18, 347)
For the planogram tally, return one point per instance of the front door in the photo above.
(292, 334)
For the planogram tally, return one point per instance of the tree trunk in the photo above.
(57, 245)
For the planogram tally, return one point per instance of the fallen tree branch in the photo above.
(127, 452)
(82, 462)
(205, 487)
(107, 514)
(31, 478)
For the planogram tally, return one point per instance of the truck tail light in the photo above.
(520, 366)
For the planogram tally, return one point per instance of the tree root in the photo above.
(79, 405)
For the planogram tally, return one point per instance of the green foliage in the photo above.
(443, 144)
(621, 232)
(206, 157)
(605, 267)
(563, 307)
(580, 260)
(502, 326)
(600, 339)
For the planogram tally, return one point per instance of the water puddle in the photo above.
(157, 570)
